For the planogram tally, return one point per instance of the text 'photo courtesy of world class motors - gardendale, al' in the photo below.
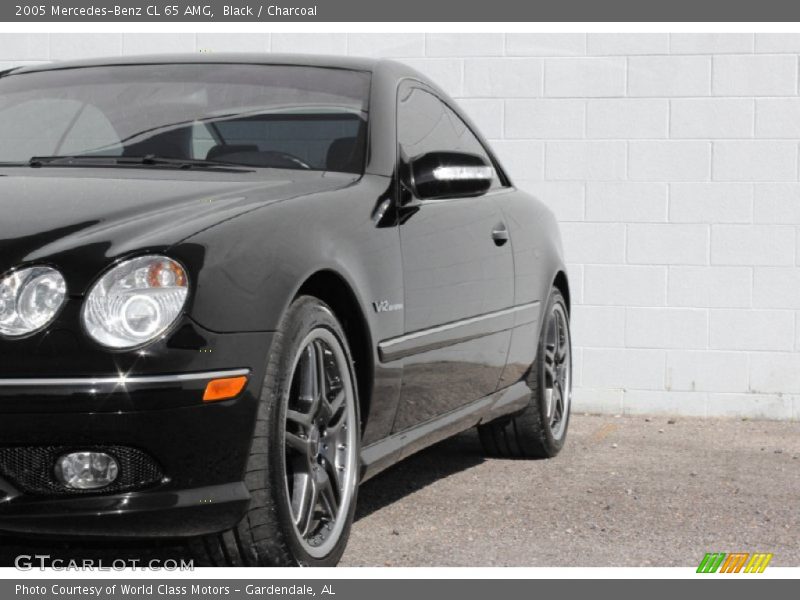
(403, 298)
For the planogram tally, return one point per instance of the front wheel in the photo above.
(303, 467)
(540, 430)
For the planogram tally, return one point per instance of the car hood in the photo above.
(80, 220)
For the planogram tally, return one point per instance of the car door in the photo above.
(458, 273)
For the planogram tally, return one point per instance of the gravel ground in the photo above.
(625, 491)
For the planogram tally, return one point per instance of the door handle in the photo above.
(500, 234)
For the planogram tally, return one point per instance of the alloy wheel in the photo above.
(557, 370)
(320, 442)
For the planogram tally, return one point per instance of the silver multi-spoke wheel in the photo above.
(557, 370)
(320, 442)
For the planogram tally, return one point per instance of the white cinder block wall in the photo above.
(671, 162)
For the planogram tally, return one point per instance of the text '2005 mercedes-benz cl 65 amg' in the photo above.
(234, 287)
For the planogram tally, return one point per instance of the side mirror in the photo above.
(450, 175)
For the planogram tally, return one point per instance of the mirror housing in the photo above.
(450, 175)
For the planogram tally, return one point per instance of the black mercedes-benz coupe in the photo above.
(233, 287)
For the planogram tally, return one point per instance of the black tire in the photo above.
(267, 535)
(532, 433)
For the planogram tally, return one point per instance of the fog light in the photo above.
(86, 470)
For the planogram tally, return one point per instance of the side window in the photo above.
(426, 124)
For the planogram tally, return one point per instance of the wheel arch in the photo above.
(330, 287)
(561, 283)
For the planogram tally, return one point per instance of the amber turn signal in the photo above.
(224, 389)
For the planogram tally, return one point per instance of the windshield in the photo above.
(286, 117)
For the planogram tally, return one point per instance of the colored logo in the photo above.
(735, 562)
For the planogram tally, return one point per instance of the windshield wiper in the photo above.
(182, 163)
(135, 161)
(40, 161)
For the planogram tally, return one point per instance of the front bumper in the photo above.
(201, 449)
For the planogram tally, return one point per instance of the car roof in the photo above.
(308, 60)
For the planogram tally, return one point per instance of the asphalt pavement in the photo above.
(625, 491)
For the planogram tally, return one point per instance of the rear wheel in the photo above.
(540, 430)
(303, 466)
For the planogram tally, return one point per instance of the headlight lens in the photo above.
(135, 302)
(29, 300)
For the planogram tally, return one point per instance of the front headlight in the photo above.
(29, 300)
(135, 302)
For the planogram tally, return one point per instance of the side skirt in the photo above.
(380, 455)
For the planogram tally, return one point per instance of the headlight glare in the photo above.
(29, 300)
(135, 302)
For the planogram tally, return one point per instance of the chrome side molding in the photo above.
(120, 380)
(458, 331)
